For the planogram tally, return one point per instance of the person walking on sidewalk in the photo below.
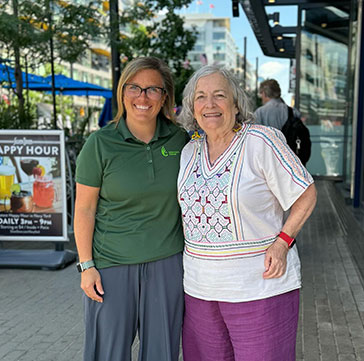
(241, 267)
(274, 111)
(127, 222)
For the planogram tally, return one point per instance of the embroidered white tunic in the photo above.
(233, 211)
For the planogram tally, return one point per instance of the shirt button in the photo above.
(148, 148)
(150, 161)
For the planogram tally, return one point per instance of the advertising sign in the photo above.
(32, 186)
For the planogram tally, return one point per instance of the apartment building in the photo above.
(215, 44)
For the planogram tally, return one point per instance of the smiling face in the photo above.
(143, 110)
(214, 107)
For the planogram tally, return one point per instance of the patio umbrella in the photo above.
(7, 74)
(106, 113)
(69, 86)
(63, 84)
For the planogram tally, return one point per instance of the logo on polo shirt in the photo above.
(167, 153)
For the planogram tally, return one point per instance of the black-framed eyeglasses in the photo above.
(135, 91)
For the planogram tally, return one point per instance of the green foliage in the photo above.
(72, 27)
(18, 32)
(11, 119)
(27, 26)
(181, 77)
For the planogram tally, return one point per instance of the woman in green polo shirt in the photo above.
(127, 222)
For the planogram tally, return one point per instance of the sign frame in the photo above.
(24, 137)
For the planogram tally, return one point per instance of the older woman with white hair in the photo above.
(241, 266)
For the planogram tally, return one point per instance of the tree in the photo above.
(152, 28)
(28, 27)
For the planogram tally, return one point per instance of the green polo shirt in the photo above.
(138, 217)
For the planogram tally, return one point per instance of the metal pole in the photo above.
(115, 56)
(256, 78)
(52, 67)
(27, 83)
(359, 160)
(298, 58)
(244, 63)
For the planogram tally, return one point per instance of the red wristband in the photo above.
(286, 238)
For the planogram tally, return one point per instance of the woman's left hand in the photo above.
(275, 261)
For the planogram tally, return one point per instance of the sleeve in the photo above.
(284, 173)
(89, 170)
(188, 155)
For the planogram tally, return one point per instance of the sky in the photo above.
(268, 67)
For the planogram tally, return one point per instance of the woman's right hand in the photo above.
(91, 284)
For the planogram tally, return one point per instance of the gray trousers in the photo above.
(147, 298)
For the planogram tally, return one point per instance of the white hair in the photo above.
(186, 117)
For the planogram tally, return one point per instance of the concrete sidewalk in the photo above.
(41, 315)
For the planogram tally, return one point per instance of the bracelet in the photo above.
(290, 241)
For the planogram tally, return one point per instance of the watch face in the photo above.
(79, 267)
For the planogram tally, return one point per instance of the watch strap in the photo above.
(83, 266)
(289, 240)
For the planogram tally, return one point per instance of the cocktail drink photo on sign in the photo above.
(43, 191)
(20, 202)
(27, 166)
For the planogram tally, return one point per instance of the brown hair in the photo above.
(142, 63)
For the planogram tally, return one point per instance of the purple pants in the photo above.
(263, 330)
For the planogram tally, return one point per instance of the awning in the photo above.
(279, 41)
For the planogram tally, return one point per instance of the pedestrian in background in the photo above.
(277, 114)
(127, 222)
(241, 267)
(274, 111)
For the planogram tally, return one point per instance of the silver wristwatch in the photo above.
(83, 266)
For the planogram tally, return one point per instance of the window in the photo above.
(219, 57)
(97, 80)
(76, 74)
(100, 62)
(218, 23)
(198, 48)
(218, 36)
(218, 47)
(84, 77)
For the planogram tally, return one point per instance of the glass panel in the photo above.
(198, 48)
(219, 23)
(218, 46)
(218, 56)
(323, 87)
(218, 36)
(100, 62)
